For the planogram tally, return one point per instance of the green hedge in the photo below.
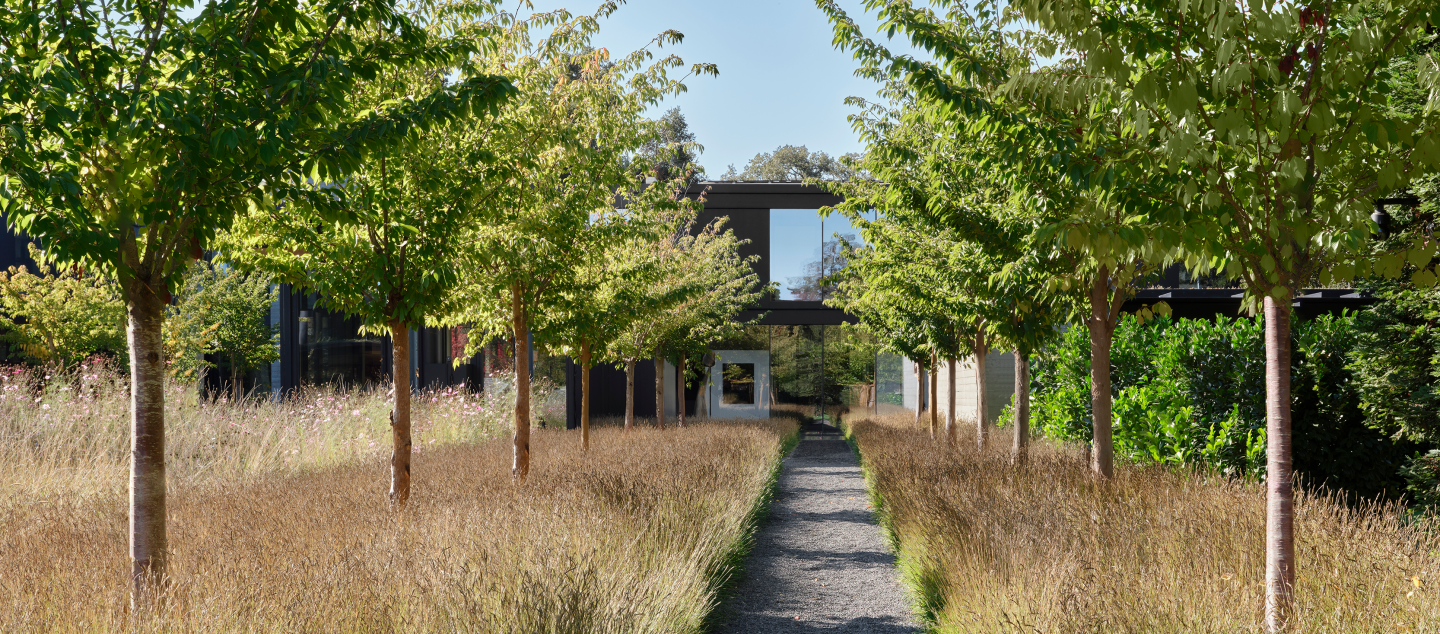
(1192, 391)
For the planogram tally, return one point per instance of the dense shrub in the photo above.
(1186, 391)
(1396, 361)
(1397, 358)
(1192, 391)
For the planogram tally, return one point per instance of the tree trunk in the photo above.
(521, 468)
(400, 415)
(659, 390)
(982, 404)
(234, 381)
(919, 395)
(680, 391)
(148, 542)
(702, 398)
(1022, 407)
(629, 394)
(934, 394)
(950, 431)
(1279, 470)
(585, 396)
(1100, 399)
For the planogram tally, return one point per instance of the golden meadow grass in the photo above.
(1044, 547)
(637, 535)
(69, 439)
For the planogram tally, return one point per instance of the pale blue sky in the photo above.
(781, 82)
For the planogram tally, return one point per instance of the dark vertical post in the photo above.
(822, 357)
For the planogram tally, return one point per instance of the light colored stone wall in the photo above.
(999, 380)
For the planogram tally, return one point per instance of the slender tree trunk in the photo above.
(702, 398)
(934, 394)
(521, 468)
(1100, 398)
(919, 395)
(400, 415)
(234, 381)
(950, 431)
(982, 404)
(1022, 407)
(680, 391)
(1279, 470)
(585, 396)
(629, 394)
(659, 390)
(147, 443)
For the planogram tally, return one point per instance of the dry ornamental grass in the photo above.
(1044, 547)
(69, 438)
(637, 535)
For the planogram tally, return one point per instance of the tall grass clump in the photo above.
(68, 436)
(637, 535)
(1044, 546)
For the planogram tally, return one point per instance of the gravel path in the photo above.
(819, 561)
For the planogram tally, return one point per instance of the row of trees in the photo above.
(1043, 158)
(416, 165)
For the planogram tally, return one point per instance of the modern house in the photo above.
(794, 352)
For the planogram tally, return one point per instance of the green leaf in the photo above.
(1183, 98)
(1421, 255)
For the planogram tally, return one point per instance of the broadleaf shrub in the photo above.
(1192, 392)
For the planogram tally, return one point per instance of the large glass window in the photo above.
(804, 249)
(815, 369)
(850, 366)
(332, 350)
(796, 354)
(795, 252)
(889, 383)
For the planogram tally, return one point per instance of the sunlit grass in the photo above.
(279, 520)
(70, 438)
(1045, 547)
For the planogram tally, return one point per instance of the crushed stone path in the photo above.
(820, 562)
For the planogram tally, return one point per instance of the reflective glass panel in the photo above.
(890, 383)
(795, 258)
(332, 350)
(849, 367)
(796, 357)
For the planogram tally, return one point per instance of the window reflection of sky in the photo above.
(794, 242)
(795, 239)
